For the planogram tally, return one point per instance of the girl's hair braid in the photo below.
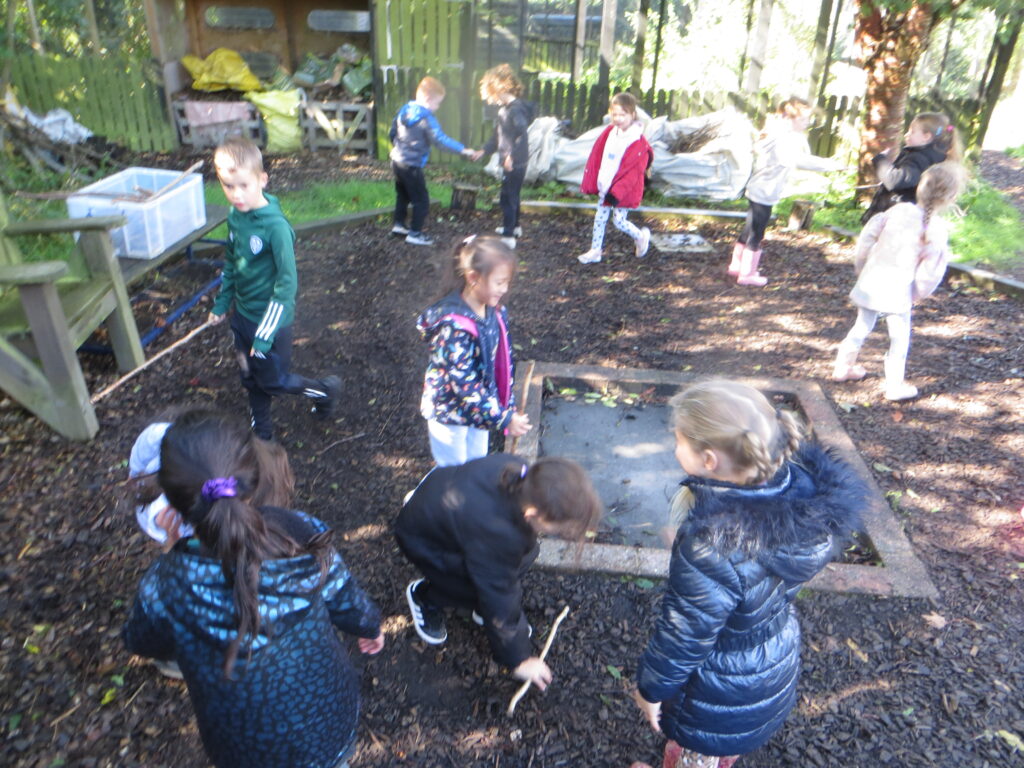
(939, 188)
(738, 421)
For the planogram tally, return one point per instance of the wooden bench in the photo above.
(44, 319)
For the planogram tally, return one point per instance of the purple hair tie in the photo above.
(523, 471)
(219, 488)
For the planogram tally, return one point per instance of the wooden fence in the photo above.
(110, 95)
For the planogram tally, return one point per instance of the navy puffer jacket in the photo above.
(295, 701)
(725, 654)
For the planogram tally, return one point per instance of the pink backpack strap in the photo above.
(464, 323)
(503, 365)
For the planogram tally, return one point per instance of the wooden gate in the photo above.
(413, 38)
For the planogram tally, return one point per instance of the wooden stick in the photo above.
(131, 374)
(543, 654)
(521, 407)
(167, 187)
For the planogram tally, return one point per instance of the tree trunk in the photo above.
(609, 15)
(94, 30)
(579, 45)
(890, 44)
(746, 44)
(657, 44)
(945, 54)
(820, 47)
(33, 25)
(759, 47)
(641, 46)
(1005, 42)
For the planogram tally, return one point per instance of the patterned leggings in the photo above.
(618, 218)
(677, 757)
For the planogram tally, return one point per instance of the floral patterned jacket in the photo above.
(463, 385)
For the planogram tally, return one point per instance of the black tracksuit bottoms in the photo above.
(410, 187)
(268, 376)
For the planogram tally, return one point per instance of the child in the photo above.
(259, 279)
(249, 609)
(160, 521)
(413, 131)
(901, 257)
(615, 173)
(930, 139)
(765, 512)
(781, 147)
(500, 86)
(468, 386)
(472, 531)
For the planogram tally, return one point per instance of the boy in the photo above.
(413, 130)
(259, 277)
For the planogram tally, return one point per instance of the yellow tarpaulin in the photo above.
(222, 69)
(280, 110)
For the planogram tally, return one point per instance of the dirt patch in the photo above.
(884, 681)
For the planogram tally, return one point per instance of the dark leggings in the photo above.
(410, 187)
(757, 221)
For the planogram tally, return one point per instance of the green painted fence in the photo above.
(110, 95)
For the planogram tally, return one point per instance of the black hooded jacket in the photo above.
(510, 133)
(725, 654)
(473, 545)
(898, 179)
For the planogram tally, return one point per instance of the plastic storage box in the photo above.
(153, 225)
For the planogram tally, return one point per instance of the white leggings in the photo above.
(618, 218)
(899, 341)
(453, 444)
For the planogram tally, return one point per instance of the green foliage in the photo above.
(1017, 152)
(991, 232)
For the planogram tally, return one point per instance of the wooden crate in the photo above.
(212, 134)
(337, 125)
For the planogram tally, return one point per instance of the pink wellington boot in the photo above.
(748, 269)
(734, 265)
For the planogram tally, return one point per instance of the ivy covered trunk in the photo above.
(890, 43)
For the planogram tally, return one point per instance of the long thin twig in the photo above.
(543, 654)
(132, 373)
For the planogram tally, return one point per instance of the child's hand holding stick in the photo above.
(543, 654)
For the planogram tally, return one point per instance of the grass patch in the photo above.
(1016, 151)
(991, 232)
(329, 199)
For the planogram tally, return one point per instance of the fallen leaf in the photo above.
(897, 416)
(856, 650)
(935, 620)
(1012, 739)
(614, 671)
(880, 467)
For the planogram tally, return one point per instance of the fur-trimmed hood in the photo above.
(812, 497)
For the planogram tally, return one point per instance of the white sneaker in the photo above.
(510, 242)
(518, 231)
(590, 257)
(399, 231)
(901, 391)
(643, 242)
(418, 238)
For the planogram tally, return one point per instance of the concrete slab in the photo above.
(901, 573)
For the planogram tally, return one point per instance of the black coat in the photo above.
(473, 545)
(725, 655)
(898, 179)
(510, 133)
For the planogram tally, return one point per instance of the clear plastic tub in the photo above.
(153, 225)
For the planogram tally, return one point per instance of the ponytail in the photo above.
(559, 489)
(210, 471)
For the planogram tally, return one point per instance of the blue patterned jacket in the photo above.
(460, 386)
(295, 702)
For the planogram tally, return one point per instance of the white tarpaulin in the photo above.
(58, 124)
(719, 170)
(544, 140)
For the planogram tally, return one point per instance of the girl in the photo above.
(472, 531)
(248, 609)
(467, 389)
(763, 513)
(781, 147)
(901, 258)
(615, 173)
(500, 86)
(930, 139)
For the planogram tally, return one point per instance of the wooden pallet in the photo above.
(212, 134)
(337, 125)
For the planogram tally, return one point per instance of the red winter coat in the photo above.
(627, 187)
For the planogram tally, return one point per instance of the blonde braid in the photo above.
(792, 432)
(928, 206)
(758, 454)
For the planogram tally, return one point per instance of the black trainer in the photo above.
(428, 620)
(323, 407)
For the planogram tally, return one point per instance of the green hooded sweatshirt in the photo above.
(259, 271)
